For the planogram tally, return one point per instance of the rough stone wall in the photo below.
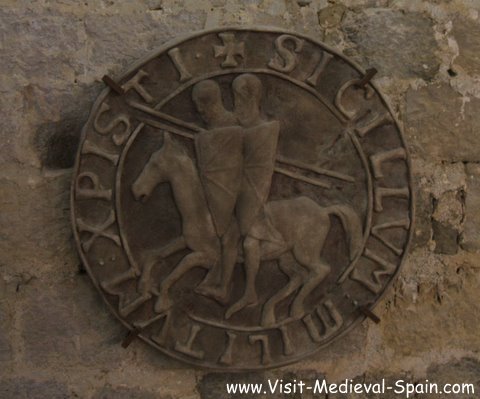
(58, 340)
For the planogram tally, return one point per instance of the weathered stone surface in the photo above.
(423, 213)
(445, 237)
(440, 126)
(5, 346)
(447, 222)
(44, 243)
(337, 359)
(6, 322)
(446, 183)
(398, 44)
(449, 208)
(124, 393)
(467, 34)
(439, 195)
(142, 30)
(41, 46)
(69, 325)
(24, 388)
(465, 370)
(150, 357)
(303, 3)
(471, 235)
(331, 16)
(439, 295)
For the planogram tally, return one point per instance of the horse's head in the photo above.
(158, 168)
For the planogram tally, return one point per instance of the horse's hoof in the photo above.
(297, 311)
(238, 306)
(268, 319)
(209, 292)
(231, 311)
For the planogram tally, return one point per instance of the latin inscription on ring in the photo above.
(243, 198)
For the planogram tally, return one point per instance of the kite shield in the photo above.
(260, 147)
(220, 162)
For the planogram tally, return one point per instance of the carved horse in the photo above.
(303, 224)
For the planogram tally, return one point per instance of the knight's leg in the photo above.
(195, 259)
(217, 280)
(251, 247)
(229, 256)
(155, 256)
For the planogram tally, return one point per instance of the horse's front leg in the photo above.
(153, 257)
(251, 248)
(195, 259)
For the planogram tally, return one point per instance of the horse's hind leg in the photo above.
(318, 272)
(195, 259)
(307, 252)
(295, 281)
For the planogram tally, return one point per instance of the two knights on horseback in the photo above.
(236, 159)
(223, 204)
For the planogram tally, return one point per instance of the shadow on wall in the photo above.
(56, 142)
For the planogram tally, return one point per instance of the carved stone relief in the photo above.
(242, 197)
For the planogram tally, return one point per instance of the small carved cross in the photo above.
(230, 49)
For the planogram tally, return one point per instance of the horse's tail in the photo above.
(352, 226)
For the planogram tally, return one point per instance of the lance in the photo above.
(180, 127)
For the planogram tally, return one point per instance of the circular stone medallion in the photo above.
(242, 197)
